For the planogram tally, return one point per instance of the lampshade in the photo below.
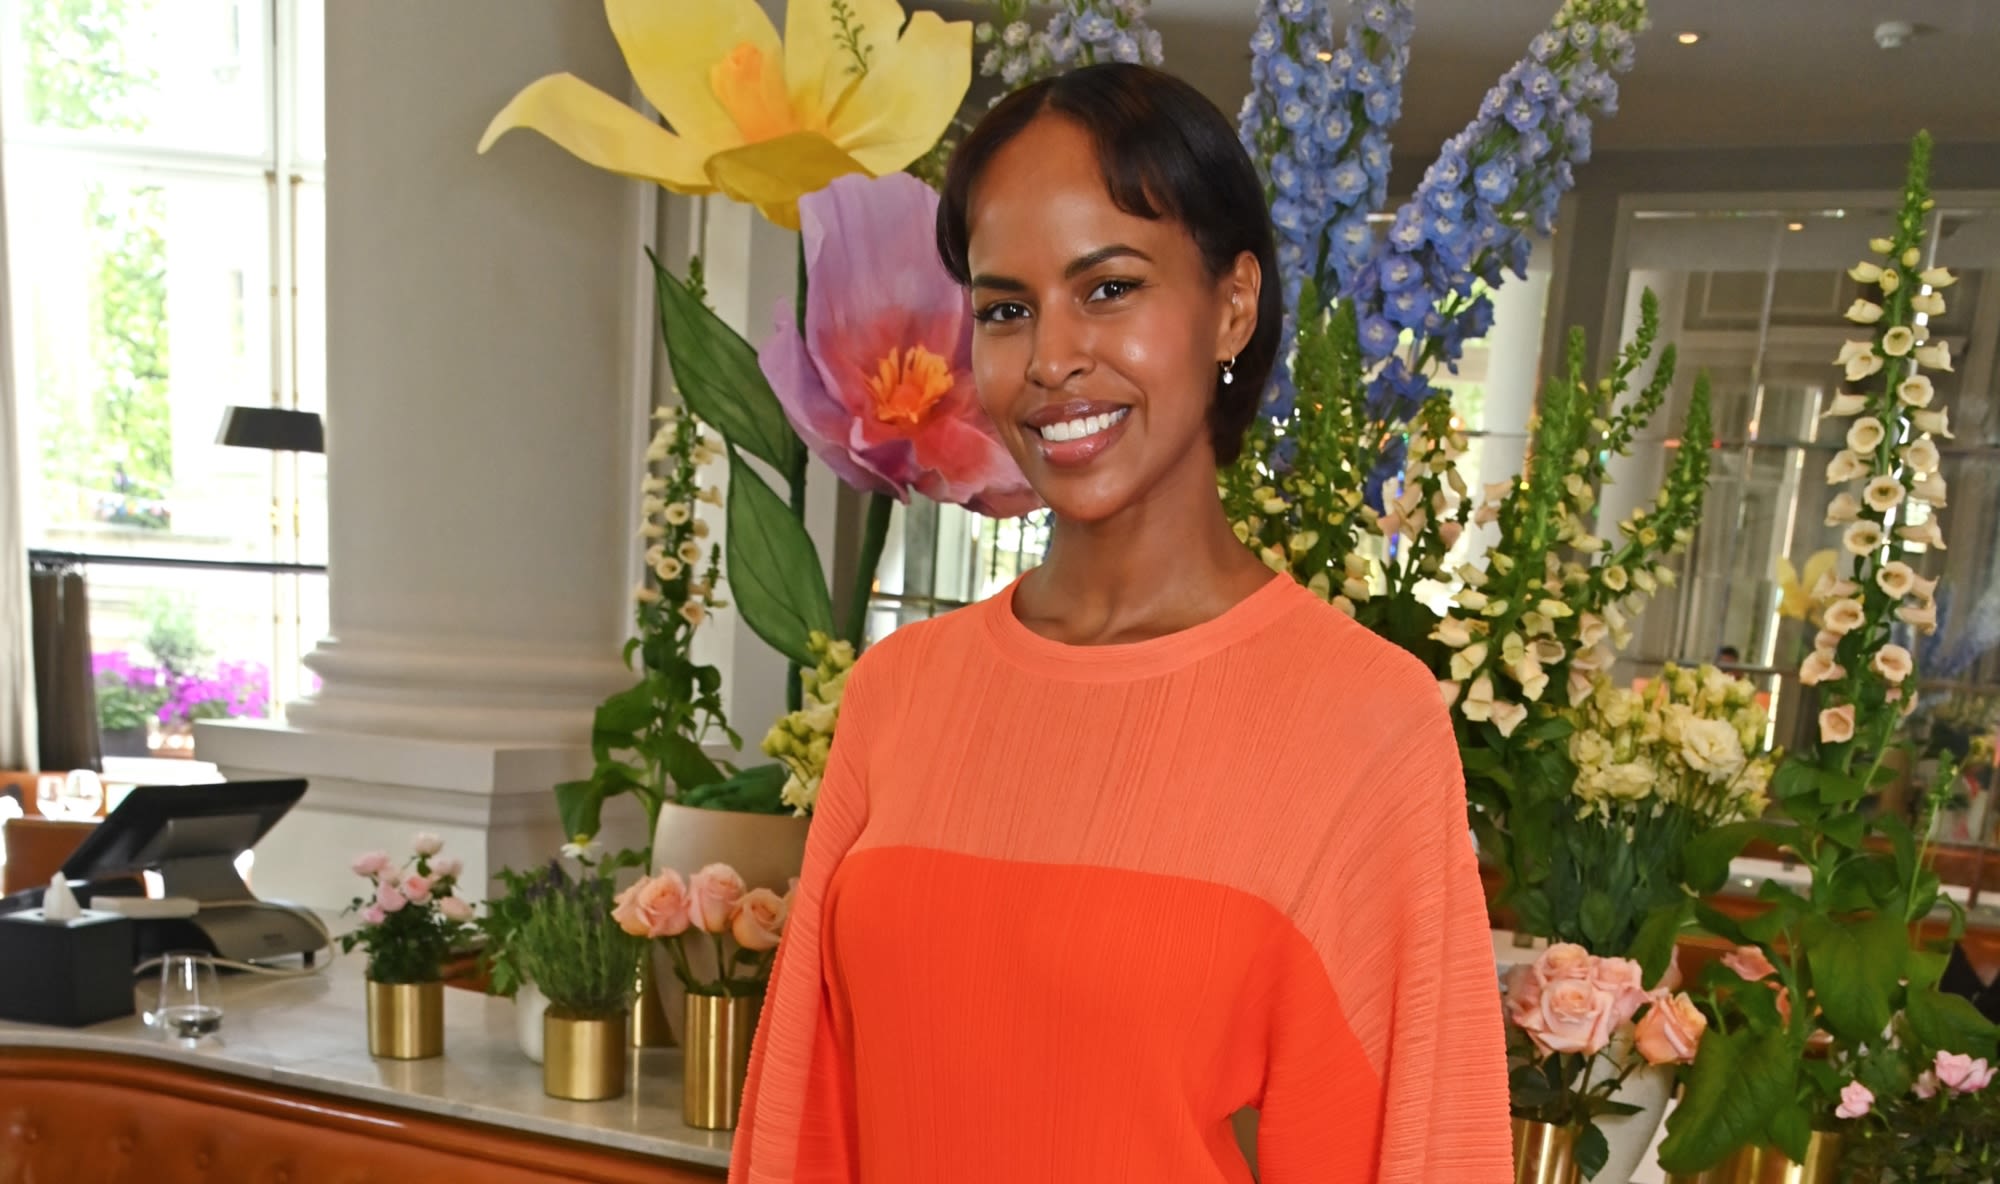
(275, 429)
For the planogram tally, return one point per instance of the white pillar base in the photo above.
(492, 804)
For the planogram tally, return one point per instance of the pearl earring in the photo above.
(1229, 372)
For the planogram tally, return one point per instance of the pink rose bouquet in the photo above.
(743, 924)
(411, 918)
(1942, 1124)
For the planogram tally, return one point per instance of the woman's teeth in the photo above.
(1077, 429)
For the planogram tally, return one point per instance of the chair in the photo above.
(36, 849)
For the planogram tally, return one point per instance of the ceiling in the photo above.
(1765, 72)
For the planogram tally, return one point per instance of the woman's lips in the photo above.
(1076, 434)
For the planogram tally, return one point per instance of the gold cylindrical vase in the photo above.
(649, 1020)
(405, 1020)
(1768, 1165)
(1544, 1153)
(583, 1058)
(717, 1056)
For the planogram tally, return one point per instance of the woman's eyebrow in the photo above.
(1076, 267)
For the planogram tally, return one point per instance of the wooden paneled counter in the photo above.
(286, 1093)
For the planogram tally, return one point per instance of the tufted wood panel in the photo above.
(76, 1118)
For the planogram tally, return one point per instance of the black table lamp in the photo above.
(274, 429)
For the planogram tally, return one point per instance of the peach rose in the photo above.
(1627, 984)
(1524, 995)
(1749, 963)
(1564, 960)
(455, 909)
(760, 921)
(1670, 1031)
(1574, 1016)
(655, 906)
(714, 894)
(1836, 724)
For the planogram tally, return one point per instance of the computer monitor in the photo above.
(190, 834)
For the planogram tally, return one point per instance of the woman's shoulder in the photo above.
(1327, 647)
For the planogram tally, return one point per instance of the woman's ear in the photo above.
(1241, 286)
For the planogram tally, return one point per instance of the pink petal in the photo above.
(819, 419)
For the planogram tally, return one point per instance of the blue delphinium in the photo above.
(1079, 33)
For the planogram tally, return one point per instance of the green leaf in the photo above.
(1528, 1088)
(1845, 829)
(1790, 1131)
(1949, 1023)
(1592, 1150)
(1706, 861)
(774, 567)
(580, 805)
(1736, 1086)
(626, 713)
(1856, 968)
(1532, 912)
(1793, 780)
(1719, 923)
(685, 763)
(717, 373)
(753, 791)
(1837, 789)
(1599, 917)
(1653, 947)
(1786, 906)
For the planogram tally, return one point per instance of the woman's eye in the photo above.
(1114, 290)
(999, 313)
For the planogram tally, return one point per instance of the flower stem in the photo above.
(874, 536)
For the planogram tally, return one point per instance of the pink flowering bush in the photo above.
(411, 917)
(1942, 1125)
(744, 924)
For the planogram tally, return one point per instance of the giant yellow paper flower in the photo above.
(851, 90)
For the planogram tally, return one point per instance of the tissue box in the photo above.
(71, 973)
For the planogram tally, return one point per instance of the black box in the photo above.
(70, 973)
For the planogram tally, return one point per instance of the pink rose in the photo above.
(374, 863)
(656, 906)
(426, 844)
(455, 909)
(389, 898)
(1626, 982)
(1564, 960)
(760, 920)
(1670, 1031)
(373, 914)
(1856, 1100)
(1961, 1074)
(1926, 1085)
(1749, 963)
(714, 893)
(417, 888)
(1574, 1017)
(1524, 995)
(447, 868)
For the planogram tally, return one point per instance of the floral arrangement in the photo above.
(744, 925)
(128, 694)
(1571, 1023)
(803, 739)
(555, 929)
(1848, 973)
(411, 916)
(647, 740)
(1943, 1128)
(1078, 33)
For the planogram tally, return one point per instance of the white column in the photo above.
(480, 380)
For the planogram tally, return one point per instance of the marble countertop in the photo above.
(311, 1034)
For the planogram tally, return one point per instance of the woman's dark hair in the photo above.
(1165, 152)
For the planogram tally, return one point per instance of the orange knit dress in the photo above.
(1065, 909)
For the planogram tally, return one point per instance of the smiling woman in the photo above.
(1150, 836)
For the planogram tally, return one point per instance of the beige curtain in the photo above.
(18, 726)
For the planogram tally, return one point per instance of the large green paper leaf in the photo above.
(1856, 967)
(1949, 1022)
(1739, 1082)
(717, 373)
(774, 567)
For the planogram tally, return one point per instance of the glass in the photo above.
(77, 794)
(190, 1004)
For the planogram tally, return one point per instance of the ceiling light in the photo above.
(1687, 38)
(1795, 226)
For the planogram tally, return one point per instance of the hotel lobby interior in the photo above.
(429, 580)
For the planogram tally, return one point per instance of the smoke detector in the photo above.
(1892, 34)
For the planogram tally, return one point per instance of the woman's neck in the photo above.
(1165, 563)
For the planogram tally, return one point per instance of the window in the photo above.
(165, 201)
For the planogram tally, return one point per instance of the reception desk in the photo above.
(286, 1093)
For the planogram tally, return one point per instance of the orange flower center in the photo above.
(753, 93)
(907, 384)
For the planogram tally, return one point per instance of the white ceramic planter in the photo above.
(1630, 1135)
(529, 1006)
(766, 849)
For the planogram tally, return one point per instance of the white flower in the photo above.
(1896, 578)
(1453, 632)
(1860, 359)
(652, 504)
(1711, 747)
(1889, 280)
(678, 514)
(1844, 616)
(1937, 277)
(1615, 578)
(1912, 256)
(1508, 716)
(1862, 538)
(693, 613)
(1827, 640)
(1845, 466)
(1930, 488)
(1842, 509)
(1865, 435)
(1935, 356)
(690, 552)
(659, 449)
(1478, 704)
(1865, 272)
(1467, 660)
(668, 569)
(655, 553)
(646, 594)
(1470, 599)
(1921, 617)
(1830, 586)
(1594, 658)
(652, 530)
(1354, 589)
(1820, 667)
(710, 494)
(1533, 679)
(589, 850)
(1915, 391)
(1893, 663)
(1899, 340)
(1846, 403)
(1937, 423)
(1924, 533)
(1921, 455)
(1864, 312)
(1589, 630)
(1884, 494)
(426, 844)
(653, 485)
(1642, 579)
(1929, 303)
(1881, 246)
(1449, 692)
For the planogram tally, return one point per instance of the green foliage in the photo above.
(171, 633)
(774, 567)
(556, 931)
(717, 373)
(409, 945)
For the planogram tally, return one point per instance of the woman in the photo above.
(1152, 836)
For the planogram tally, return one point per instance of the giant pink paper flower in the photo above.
(880, 385)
